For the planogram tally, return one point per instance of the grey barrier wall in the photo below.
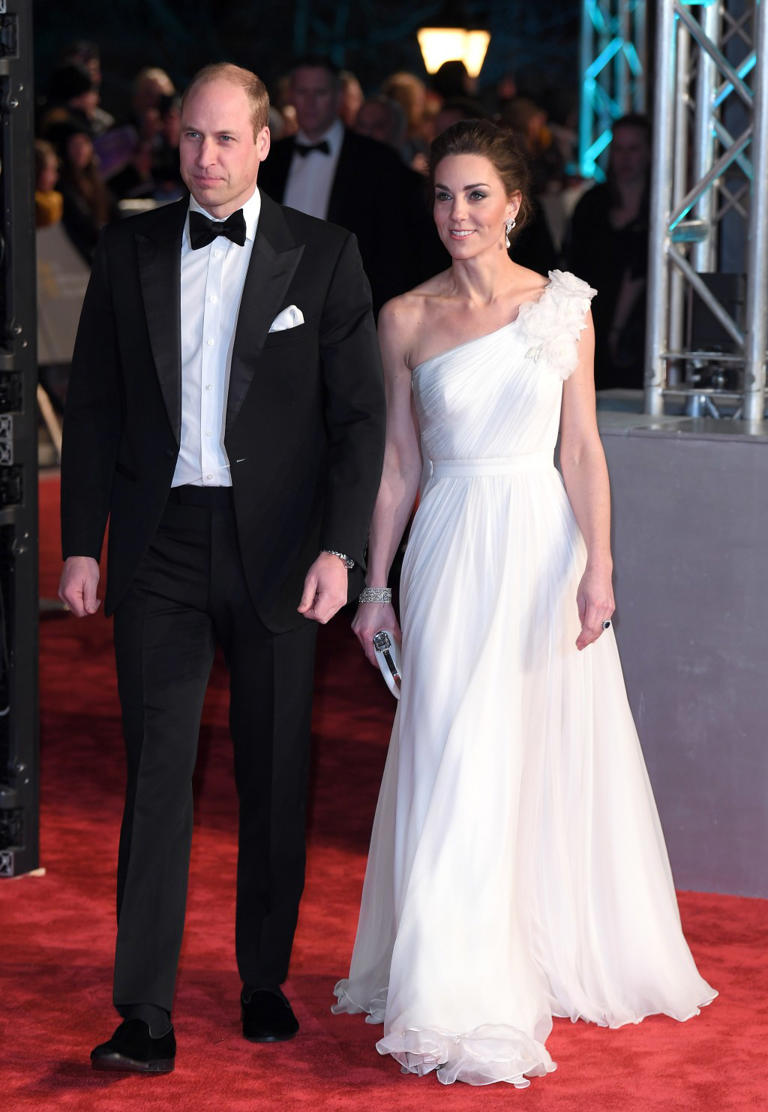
(690, 529)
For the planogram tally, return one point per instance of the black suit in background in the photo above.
(383, 202)
(188, 568)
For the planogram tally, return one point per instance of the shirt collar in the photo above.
(251, 213)
(334, 137)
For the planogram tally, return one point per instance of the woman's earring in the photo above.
(508, 228)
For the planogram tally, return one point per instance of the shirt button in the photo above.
(213, 299)
(217, 253)
(208, 386)
(209, 342)
(209, 477)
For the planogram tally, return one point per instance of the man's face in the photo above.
(630, 155)
(219, 154)
(375, 121)
(316, 99)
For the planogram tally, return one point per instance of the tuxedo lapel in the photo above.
(274, 259)
(159, 260)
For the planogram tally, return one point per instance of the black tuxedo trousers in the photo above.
(190, 593)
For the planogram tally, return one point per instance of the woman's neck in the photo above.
(481, 280)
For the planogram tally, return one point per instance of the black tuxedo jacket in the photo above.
(305, 411)
(378, 198)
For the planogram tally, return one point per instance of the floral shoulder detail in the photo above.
(556, 321)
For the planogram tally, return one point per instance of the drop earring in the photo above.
(508, 226)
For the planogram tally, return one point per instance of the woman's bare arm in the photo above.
(582, 461)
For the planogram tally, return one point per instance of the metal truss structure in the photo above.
(613, 74)
(708, 250)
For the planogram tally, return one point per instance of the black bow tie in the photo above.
(304, 148)
(203, 231)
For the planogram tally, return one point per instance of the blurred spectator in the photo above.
(61, 280)
(456, 109)
(410, 93)
(351, 98)
(608, 248)
(87, 54)
(330, 172)
(281, 103)
(72, 95)
(165, 169)
(452, 80)
(150, 85)
(138, 156)
(87, 203)
(384, 120)
(49, 203)
(529, 123)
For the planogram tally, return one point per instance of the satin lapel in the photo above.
(274, 259)
(159, 258)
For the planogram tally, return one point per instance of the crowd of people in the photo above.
(94, 167)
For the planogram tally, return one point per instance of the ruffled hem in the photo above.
(485, 1056)
(346, 1004)
(619, 1019)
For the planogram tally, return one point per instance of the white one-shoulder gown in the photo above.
(517, 868)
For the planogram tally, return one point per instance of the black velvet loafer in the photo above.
(267, 1016)
(132, 1049)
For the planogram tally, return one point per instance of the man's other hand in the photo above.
(78, 584)
(325, 589)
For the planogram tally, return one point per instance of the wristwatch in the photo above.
(347, 561)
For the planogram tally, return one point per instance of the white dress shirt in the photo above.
(310, 176)
(212, 280)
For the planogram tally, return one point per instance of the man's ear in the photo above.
(263, 143)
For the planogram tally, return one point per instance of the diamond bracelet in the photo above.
(375, 594)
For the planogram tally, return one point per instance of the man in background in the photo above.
(330, 172)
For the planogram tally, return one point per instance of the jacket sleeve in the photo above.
(92, 419)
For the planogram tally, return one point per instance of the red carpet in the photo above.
(57, 933)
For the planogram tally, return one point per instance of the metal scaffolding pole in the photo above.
(613, 65)
(757, 240)
(711, 80)
(661, 202)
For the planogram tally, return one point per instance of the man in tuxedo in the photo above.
(225, 413)
(329, 171)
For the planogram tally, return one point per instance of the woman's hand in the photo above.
(369, 619)
(595, 602)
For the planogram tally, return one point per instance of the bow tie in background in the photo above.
(304, 148)
(203, 231)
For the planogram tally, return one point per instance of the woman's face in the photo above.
(471, 205)
(630, 155)
(49, 174)
(79, 150)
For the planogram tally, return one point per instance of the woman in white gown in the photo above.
(517, 868)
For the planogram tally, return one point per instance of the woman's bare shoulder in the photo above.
(403, 316)
(528, 282)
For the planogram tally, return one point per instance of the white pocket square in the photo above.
(288, 318)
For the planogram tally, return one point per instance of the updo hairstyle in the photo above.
(484, 138)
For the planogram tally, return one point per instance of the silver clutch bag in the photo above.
(388, 656)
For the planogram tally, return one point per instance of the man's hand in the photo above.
(325, 589)
(78, 583)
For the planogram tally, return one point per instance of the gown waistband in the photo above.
(501, 465)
